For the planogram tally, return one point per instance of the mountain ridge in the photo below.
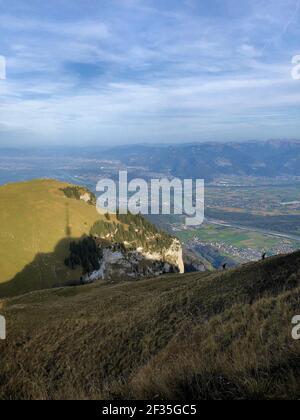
(212, 160)
(41, 221)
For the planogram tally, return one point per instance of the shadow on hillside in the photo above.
(48, 270)
(45, 271)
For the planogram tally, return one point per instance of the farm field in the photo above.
(242, 245)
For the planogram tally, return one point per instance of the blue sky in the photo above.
(128, 71)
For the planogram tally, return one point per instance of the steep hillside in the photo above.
(222, 335)
(37, 223)
(40, 220)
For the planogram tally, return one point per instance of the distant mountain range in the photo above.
(202, 160)
(212, 160)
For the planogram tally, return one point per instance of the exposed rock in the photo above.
(86, 197)
(118, 262)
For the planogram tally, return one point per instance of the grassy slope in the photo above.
(33, 228)
(38, 222)
(210, 335)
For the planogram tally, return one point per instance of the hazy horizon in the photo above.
(58, 146)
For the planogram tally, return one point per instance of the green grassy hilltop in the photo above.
(219, 335)
(38, 221)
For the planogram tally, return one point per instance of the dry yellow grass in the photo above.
(197, 336)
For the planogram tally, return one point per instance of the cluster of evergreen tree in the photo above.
(102, 228)
(134, 229)
(86, 254)
(75, 192)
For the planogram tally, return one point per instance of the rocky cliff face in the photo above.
(194, 262)
(171, 255)
(118, 262)
(125, 247)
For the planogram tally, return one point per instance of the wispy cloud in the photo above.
(145, 70)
